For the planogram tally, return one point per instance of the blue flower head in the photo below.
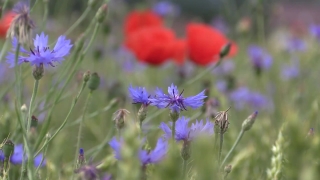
(260, 59)
(139, 95)
(315, 31)
(290, 71)
(175, 101)
(186, 133)
(164, 8)
(146, 157)
(41, 54)
(155, 155)
(295, 44)
(17, 157)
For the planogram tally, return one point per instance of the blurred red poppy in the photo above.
(5, 23)
(179, 51)
(204, 44)
(140, 19)
(152, 45)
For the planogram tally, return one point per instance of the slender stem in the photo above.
(34, 5)
(203, 73)
(45, 14)
(233, 147)
(17, 71)
(29, 153)
(65, 120)
(220, 147)
(4, 49)
(81, 18)
(42, 159)
(184, 170)
(4, 6)
(80, 131)
(173, 129)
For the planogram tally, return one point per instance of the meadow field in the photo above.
(159, 90)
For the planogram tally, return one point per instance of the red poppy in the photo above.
(152, 45)
(205, 42)
(5, 23)
(140, 19)
(179, 51)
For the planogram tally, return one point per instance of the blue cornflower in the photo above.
(175, 101)
(260, 59)
(164, 8)
(156, 155)
(146, 157)
(139, 95)
(290, 71)
(186, 133)
(315, 31)
(295, 44)
(17, 156)
(41, 54)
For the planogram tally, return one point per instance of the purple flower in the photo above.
(225, 68)
(220, 24)
(146, 157)
(139, 95)
(127, 61)
(164, 8)
(315, 31)
(222, 86)
(41, 54)
(186, 133)
(259, 57)
(290, 71)
(295, 44)
(116, 146)
(175, 101)
(156, 155)
(107, 177)
(17, 156)
(243, 97)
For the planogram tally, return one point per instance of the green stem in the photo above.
(184, 170)
(17, 73)
(173, 129)
(29, 153)
(81, 18)
(4, 49)
(42, 159)
(220, 147)
(34, 5)
(65, 120)
(45, 14)
(4, 6)
(80, 131)
(233, 147)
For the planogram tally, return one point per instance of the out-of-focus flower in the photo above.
(222, 86)
(17, 157)
(88, 172)
(220, 24)
(204, 44)
(185, 133)
(146, 157)
(179, 51)
(127, 60)
(41, 54)
(290, 71)
(166, 8)
(139, 95)
(5, 23)
(295, 44)
(152, 46)
(137, 20)
(315, 31)
(260, 59)
(155, 155)
(244, 25)
(22, 24)
(175, 101)
(225, 68)
(242, 97)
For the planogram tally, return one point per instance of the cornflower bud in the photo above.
(86, 76)
(119, 118)
(24, 108)
(101, 13)
(247, 123)
(38, 72)
(94, 81)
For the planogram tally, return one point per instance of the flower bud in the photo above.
(92, 3)
(225, 50)
(8, 148)
(174, 115)
(94, 81)
(228, 168)
(38, 72)
(24, 108)
(79, 43)
(34, 122)
(247, 124)
(101, 13)
(86, 76)
(119, 117)
(81, 158)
